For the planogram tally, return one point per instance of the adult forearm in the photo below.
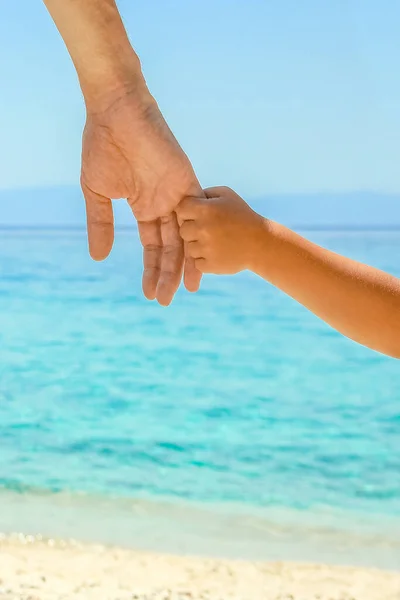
(99, 47)
(361, 302)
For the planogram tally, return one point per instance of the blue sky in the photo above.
(265, 96)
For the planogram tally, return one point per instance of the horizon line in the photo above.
(266, 194)
(302, 227)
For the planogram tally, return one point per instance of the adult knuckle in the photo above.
(153, 247)
(99, 223)
(172, 248)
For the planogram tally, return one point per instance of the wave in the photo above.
(164, 525)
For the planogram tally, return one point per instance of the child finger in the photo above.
(187, 210)
(192, 276)
(201, 265)
(195, 250)
(189, 231)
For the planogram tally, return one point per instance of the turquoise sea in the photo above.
(233, 422)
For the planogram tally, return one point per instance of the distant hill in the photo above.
(63, 206)
(352, 210)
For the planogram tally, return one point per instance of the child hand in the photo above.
(222, 233)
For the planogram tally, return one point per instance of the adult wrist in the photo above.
(113, 81)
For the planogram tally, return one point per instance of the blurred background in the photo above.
(271, 431)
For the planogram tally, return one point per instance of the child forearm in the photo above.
(224, 235)
(361, 302)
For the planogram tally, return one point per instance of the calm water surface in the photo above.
(235, 396)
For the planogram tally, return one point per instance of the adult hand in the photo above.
(130, 152)
(128, 149)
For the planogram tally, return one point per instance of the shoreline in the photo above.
(176, 528)
(39, 569)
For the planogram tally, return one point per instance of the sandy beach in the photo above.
(36, 569)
